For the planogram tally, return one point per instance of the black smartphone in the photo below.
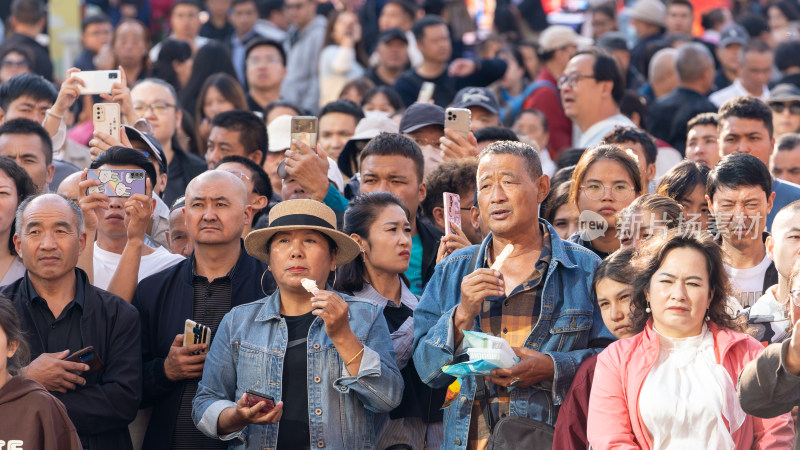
(254, 397)
(87, 356)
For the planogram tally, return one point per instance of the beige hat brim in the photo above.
(256, 242)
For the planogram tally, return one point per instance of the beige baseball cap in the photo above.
(650, 11)
(555, 37)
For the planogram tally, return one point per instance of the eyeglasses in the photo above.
(794, 296)
(779, 107)
(242, 176)
(156, 107)
(263, 61)
(619, 191)
(572, 80)
(8, 64)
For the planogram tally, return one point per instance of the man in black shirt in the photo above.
(265, 69)
(392, 53)
(670, 114)
(218, 276)
(217, 27)
(61, 313)
(433, 40)
(96, 33)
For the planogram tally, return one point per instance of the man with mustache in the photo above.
(62, 313)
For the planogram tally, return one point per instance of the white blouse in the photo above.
(687, 397)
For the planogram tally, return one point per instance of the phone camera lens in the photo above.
(112, 75)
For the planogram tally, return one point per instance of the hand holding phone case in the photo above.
(87, 356)
(458, 120)
(195, 333)
(254, 397)
(304, 129)
(117, 182)
(97, 81)
(452, 211)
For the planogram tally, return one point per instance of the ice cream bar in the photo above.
(310, 285)
(501, 258)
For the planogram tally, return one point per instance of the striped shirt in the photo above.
(210, 302)
(513, 319)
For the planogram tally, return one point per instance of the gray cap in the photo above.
(733, 34)
(477, 96)
(784, 92)
(613, 40)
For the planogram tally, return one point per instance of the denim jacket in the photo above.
(248, 352)
(570, 329)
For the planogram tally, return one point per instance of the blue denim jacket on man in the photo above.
(570, 329)
(248, 352)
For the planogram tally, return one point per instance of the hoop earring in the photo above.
(334, 279)
(262, 282)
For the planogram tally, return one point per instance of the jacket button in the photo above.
(316, 345)
(316, 380)
(318, 412)
(505, 330)
(505, 302)
(343, 388)
(320, 444)
(458, 441)
(463, 399)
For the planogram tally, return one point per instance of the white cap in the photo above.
(279, 133)
(650, 11)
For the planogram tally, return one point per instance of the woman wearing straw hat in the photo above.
(340, 343)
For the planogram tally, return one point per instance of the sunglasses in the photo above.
(794, 108)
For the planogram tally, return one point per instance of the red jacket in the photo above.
(614, 417)
(548, 101)
(571, 423)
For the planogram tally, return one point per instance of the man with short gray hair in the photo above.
(63, 314)
(465, 294)
(669, 114)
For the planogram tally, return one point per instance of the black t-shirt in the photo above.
(293, 429)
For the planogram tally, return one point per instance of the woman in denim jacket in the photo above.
(341, 343)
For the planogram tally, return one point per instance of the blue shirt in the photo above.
(414, 272)
(785, 193)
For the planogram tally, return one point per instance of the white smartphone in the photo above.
(458, 120)
(425, 92)
(106, 118)
(97, 81)
(452, 212)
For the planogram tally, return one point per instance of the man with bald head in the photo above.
(669, 114)
(62, 313)
(661, 73)
(216, 277)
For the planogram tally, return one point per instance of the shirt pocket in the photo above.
(252, 368)
(570, 329)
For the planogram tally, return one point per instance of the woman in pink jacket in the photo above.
(673, 386)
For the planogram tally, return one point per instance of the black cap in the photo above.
(421, 115)
(613, 40)
(393, 33)
(152, 144)
(477, 96)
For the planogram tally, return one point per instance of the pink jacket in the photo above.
(614, 417)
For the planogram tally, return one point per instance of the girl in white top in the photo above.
(338, 62)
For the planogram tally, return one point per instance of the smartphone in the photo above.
(87, 356)
(97, 81)
(195, 333)
(118, 182)
(425, 92)
(254, 397)
(105, 118)
(452, 211)
(458, 120)
(304, 129)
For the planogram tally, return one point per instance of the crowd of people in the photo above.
(629, 226)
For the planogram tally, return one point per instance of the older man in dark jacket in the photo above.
(218, 276)
(61, 313)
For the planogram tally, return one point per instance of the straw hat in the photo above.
(301, 214)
